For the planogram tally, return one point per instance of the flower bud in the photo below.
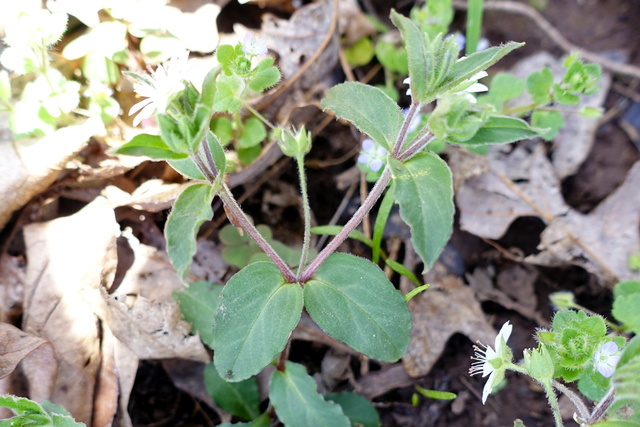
(293, 142)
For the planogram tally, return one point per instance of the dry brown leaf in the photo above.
(29, 167)
(297, 39)
(16, 345)
(151, 329)
(66, 257)
(523, 183)
(447, 308)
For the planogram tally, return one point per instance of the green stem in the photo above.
(379, 226)
(355, 220)
(306, 241)
(553, 402)
(259, 116)
(575, 399)
(602, 407)
(402, 136)
(208, 168)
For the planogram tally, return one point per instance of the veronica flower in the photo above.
(252, 45)
(606, 358)
(372, 155)
(492, 362)
(158, 87)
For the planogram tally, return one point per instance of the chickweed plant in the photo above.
(248, 322)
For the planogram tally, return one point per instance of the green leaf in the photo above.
(625, 310)
(226, 97)
(505, 86)
(392, 57)
(368, 108)
(359, 53)
(358, 409)
(467, 66)
(297, 403)
(266, 76)
(539, 84)
(404, 271)
(240, 399)
(189, 169)
(352, 300)
(590, 388)
(263, 420)
(252, 134)
(424, 191)
(191, 209)
(550, 120)
(226, 54)
(332, 230)
(501, 130)
(198, 305)
(258, 310)
(30, 413)
(149, 145)
(435, 394)
(419, 58)
(616, 424)
(223, 129)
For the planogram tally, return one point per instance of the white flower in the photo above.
(606, 358)
(372, 155)
(467, 87)
(492, 362)
(160, 86)
(252, 45)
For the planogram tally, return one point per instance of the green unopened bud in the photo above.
(292, 142)
(457, 118)
(563, 300)
(539, 364)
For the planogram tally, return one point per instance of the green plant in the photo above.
(577, 348)
(349, 297)
(29, 413)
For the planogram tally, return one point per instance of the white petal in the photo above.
(139, 106)
(505, 333)
(476, 87)
(486, 391)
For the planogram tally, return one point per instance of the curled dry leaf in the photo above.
(16, 345)
(524, 183)
(28, 168)
(66, 257)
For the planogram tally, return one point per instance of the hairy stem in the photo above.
(306, 212)
(602, 407)
(402, 136)
(235, 212)
(366, 206)
(553, 402)
(575, 399)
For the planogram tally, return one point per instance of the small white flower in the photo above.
(252, 45)
(492, 362)
(372, 155)
(158, 88)
(606, 358)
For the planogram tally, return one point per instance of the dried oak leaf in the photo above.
(523, 183)
(16, 345)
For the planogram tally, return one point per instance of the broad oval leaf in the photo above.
(501, 130)
(293, 394)
(191, 209)
(357, 408)
(424, 191)
(240, 399)
(151, 146)
(258, 310)
(368, 108)
(352, 300)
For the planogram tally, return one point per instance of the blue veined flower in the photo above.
(372, 155)
(158, 87)
(488, 361)
(606, 358)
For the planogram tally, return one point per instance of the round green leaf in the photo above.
(293, 394)
(359, 410)
(352, 300)
(240, 399)
(257, 312)
(198, 305)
